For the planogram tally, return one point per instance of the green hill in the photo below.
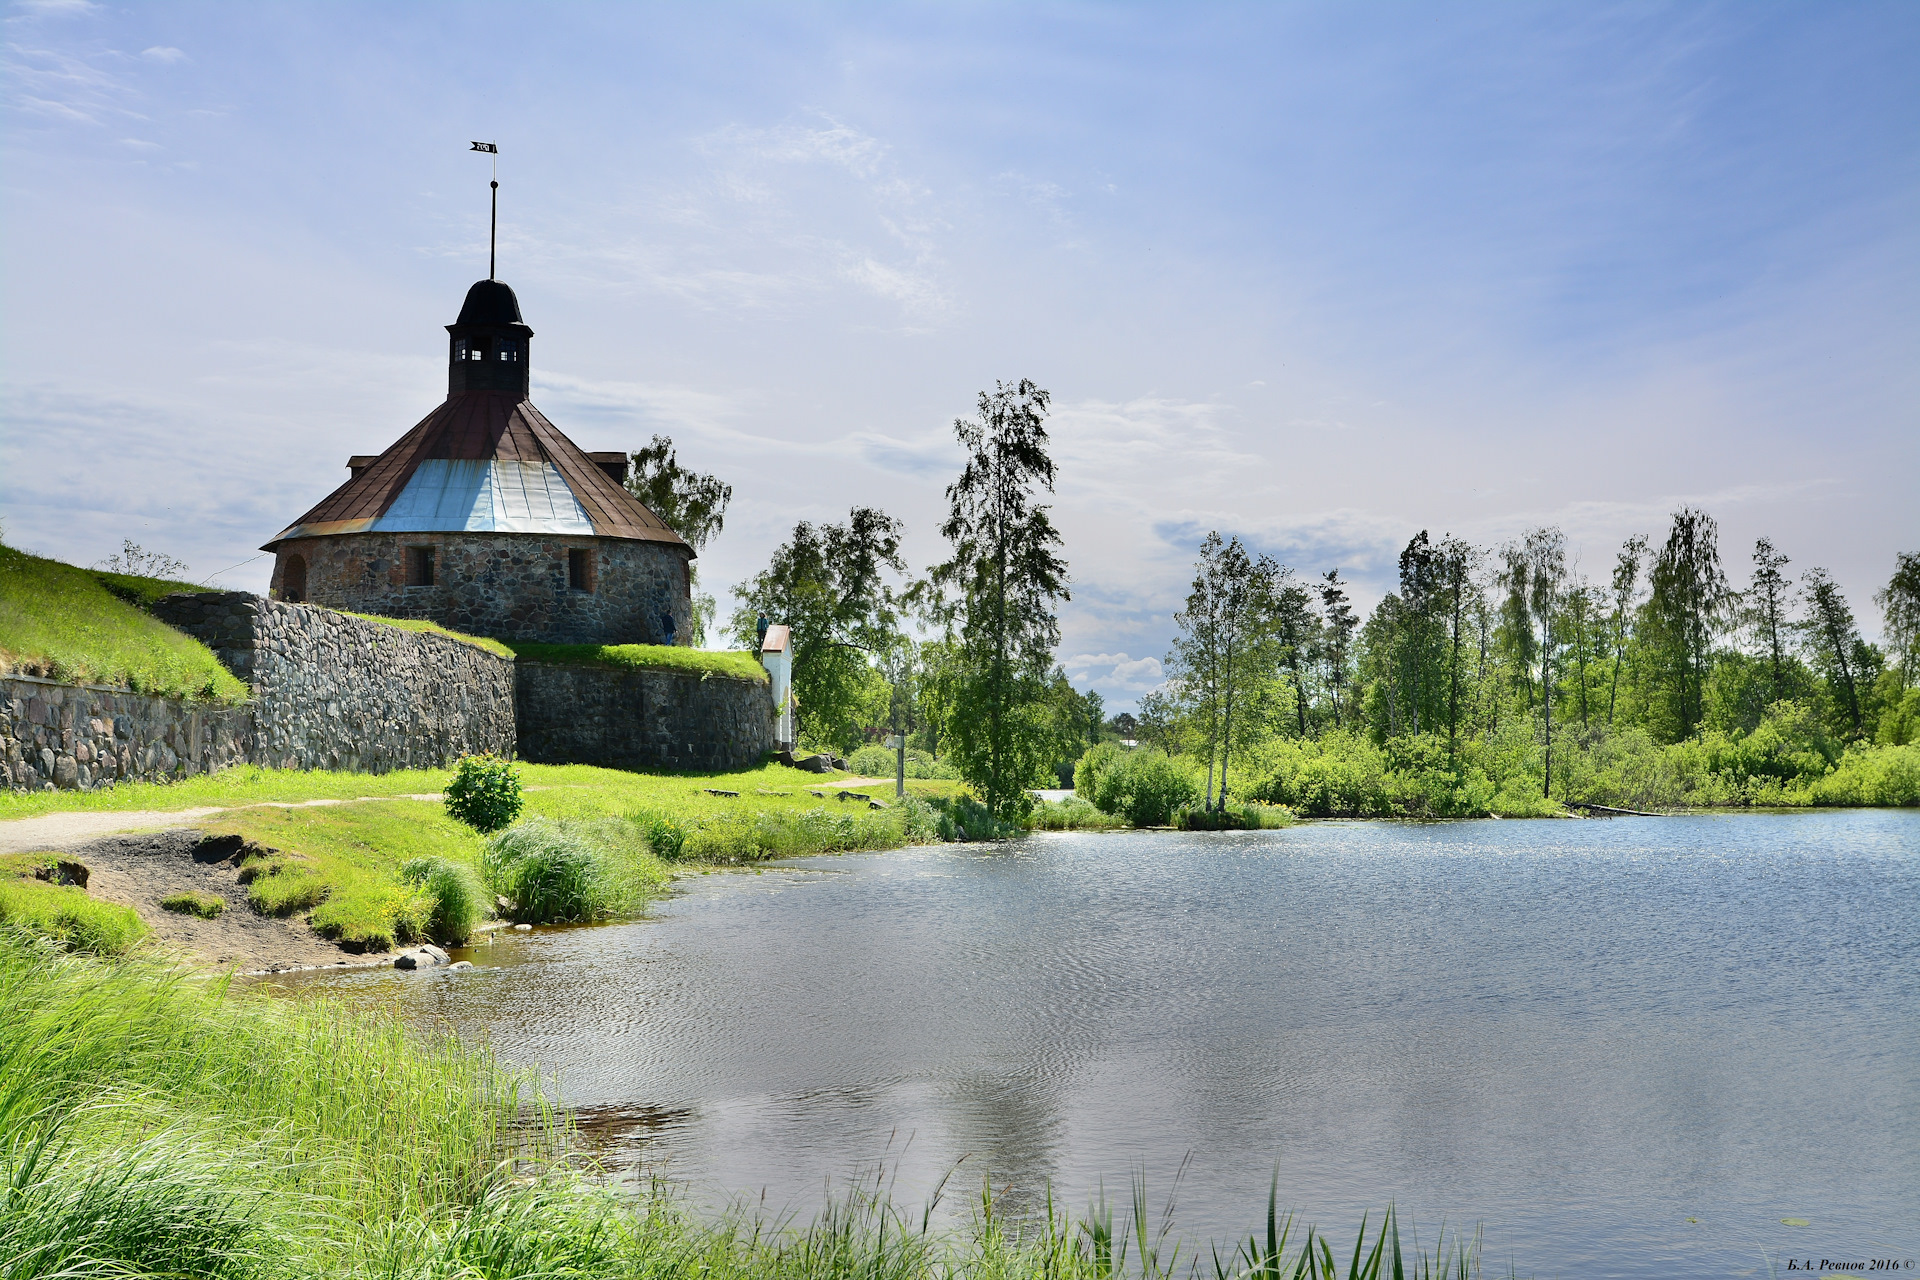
(86, 625)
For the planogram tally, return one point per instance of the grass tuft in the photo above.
(67, 915)
(188, 903)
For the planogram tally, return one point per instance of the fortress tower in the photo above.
(486, 519)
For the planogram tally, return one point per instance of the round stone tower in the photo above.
(486, 519)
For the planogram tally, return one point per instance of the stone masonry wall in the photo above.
(512, 586)
(646, 718)
(337, 692)
(79, 736)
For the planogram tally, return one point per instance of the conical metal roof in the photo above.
(483, 462)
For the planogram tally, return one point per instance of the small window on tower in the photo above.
(460, 349)
(508, 351)
(580, 569)
(420, 566)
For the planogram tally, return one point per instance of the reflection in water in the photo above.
(1628, 1048)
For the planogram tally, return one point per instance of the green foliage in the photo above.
(874, 762)
(1144, 786)
(550, 873)
(827, 585)
(64, 623)
(1234, 815)
(484, 792)
(672, 657)
(1005, 576)
(965, 818)
(67, 915)
(459, 898)
(204, 905)
(1072, 814)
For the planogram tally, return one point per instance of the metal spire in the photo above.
(493, 216)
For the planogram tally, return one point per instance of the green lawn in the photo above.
(742, 665)
(72, 624)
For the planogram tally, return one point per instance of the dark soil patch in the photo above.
(139, 870)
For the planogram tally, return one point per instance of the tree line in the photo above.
(1482, 651)
(1477, 637)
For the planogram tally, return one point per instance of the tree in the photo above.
(1689, 596)
(1338, 649)
(1626, 591)
(1220, 650)
(1074, 719)
(1457, 562)
(1899, 603)
(1535, 576)
(1835, 641)
(1005, 576)
(691, 503)
(1767, 610)
(828, 584)
(1295, 631)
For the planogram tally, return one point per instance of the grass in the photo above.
(189, 903)
(67, 915)
(154, 1123)
(421, 624)
(70, 624)
(342, 864)
(241, 785)
(704, 662)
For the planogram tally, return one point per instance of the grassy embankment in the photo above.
(634, 657)
(85, 625)
(345, 866)
(154, 1123)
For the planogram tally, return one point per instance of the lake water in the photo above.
(1625, 1048)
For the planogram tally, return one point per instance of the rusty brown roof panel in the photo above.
(481, 426)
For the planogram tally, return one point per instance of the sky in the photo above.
(1318, 275)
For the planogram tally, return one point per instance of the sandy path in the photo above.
(70, 830)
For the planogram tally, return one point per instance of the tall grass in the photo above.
(66, 914)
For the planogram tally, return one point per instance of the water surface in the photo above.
(1626, 1048)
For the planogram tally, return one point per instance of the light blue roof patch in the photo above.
(497, 496)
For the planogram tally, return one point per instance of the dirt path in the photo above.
(139, 870)
(70, 830)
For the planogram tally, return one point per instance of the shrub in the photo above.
(1072, 814)
(1236, 815)
(549, 873)
(965, 818)
(69, 916)
(1143, 786)
(1092, 766)
(665, 834)
(204, 905)
(873, 762)
(485, 792)
(459, 899)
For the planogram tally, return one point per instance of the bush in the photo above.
(549, 873)
(69, 916)
(204, 905)
(1143, 785)
(1235, 815)
(873, 762)
(459, 899)
(965, 818)
(485, 792)
(1071, 814)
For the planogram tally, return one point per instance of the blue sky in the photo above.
(1321, 275)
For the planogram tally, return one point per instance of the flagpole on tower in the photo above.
(493, 215)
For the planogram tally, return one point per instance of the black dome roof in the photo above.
(490, 302)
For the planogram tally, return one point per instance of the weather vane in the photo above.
(493, 216)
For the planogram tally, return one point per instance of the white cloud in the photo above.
(1117, 672)
(163, 53)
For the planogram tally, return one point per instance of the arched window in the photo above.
(293, 580)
